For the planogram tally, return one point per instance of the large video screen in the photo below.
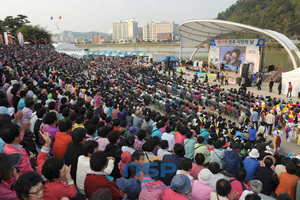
(232, 57)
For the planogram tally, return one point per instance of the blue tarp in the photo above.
(172, 59)
(124, 54)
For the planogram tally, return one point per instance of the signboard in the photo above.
(238, 42)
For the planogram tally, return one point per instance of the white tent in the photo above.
(64, 46)
(294, 78)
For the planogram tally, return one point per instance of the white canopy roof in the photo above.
(64, 46)
(195, 33)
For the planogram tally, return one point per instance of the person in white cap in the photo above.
(251, 164)
(201, 189)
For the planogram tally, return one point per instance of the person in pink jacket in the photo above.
(11, 135)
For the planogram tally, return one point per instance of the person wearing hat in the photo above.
(233, 159)
(131, 187)
(180, 184)
(251, 164)
(133, 131)
(8, 174)
(204, 179)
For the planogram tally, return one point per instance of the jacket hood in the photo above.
(231, 154)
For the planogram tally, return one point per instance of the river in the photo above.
(277, 57)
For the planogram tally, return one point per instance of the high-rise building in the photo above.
(158, 31)
(125, 31)
(97, 39)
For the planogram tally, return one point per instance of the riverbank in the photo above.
(131, 45)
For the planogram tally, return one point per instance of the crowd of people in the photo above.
(109, 128)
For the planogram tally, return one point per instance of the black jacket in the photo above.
(116, 152)
(71, 157)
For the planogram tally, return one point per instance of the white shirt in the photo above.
(162, 152)
(129, 149)
(170, 138)
(83, 166)
(32, 121)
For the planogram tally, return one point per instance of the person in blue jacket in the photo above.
(205, 132)
(233, 159)
(251, 165)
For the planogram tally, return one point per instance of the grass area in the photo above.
(144, 44)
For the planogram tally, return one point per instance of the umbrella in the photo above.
(142, 54)
(124, 54)
(27, 43)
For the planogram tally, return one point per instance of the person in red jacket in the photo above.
(96, 179)
(55, 171)
(62, 138)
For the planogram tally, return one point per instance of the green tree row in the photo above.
(279, 15)
(20, 23)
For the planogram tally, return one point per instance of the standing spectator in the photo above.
(259, 82)
(252, 134)
(290, 89)
(253, 80)
(279, 88)
(254, 118)
(270, 120)
(271, 83)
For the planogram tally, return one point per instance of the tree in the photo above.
(32, 32)
(11, 24)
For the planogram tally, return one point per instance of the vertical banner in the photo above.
(9, 39)
(20, 38)
(1, 39)
(5, 38)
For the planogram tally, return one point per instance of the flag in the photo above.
(20, 38)
(9, 39)
(5, 38)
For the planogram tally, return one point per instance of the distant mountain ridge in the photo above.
(279, 15)
(83, 34)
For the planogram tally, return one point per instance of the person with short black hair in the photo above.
(189, 145)
(55, 171)
(201, 148)
(176, 158)
(62, 138)
(129, 145)
(96, 178)
(284, 196)
(252, 197)
(79, 122)
(139, 141)
(163, 150)
(75, 149)
(223, 188)
(238, 183)
(50, 121)
(29, 185)
(90, 131)
(83, 165)
(113, 150)
(215, 169)
(11, 135)
(186, 167)
(169, 137)
(265, 175)
(288, 181)
(27, 111)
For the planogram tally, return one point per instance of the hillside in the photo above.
(279, 15)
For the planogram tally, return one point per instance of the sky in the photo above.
(98, 15)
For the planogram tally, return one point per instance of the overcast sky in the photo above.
(98, 15)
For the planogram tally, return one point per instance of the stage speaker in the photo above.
(247, 82)
(298, 94)
(245, 69)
